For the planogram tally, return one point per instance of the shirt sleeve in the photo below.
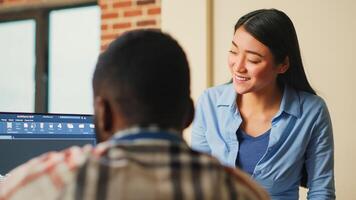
(320, 158)
(43, 177)
(198, 136)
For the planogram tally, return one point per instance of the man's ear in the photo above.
(104, 118)
(284, 66)
(189, 116)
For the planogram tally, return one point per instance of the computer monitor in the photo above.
(26, 135)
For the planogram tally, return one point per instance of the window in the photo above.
(47, 57)
(17, 63)
(73, 50)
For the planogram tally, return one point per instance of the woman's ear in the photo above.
(284, 66)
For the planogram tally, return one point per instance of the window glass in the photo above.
(17, 66)
(74, 45)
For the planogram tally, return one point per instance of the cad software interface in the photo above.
(25, 135)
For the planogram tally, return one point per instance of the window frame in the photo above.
(40, 14)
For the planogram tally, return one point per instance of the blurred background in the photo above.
(48, 50)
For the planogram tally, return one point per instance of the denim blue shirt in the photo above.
(301, 134)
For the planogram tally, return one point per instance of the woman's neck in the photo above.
(265, 101)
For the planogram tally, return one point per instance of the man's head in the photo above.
(142, 79)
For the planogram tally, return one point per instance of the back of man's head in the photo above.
(145, 75)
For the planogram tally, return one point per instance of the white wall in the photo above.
(327, 36)
(186, 21)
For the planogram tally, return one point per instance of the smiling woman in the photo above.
(252, 66)
(268, 121)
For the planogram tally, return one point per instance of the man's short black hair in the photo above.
(146, 72)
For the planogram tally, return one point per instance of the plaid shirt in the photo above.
(136, 164)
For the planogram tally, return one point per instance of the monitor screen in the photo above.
(26, 135)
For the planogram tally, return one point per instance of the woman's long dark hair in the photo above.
(274, 29)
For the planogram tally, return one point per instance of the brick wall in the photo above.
(18, 2)
(118, 16)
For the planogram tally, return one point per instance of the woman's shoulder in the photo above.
(311, 100)
(312, 105)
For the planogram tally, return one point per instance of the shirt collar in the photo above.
(290, 100)
(150, 132)
(228, 97)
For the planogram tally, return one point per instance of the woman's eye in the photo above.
(233, 52)
(254, 61)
